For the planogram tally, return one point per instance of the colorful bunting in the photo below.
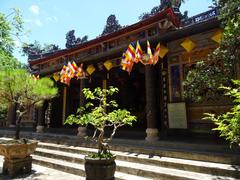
(81, 73)
(149, 53)
(156, 54)
(127, 64)
(130, 53)
(138, 53)
(70, 70)
(75, 67)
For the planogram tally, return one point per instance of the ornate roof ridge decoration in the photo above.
(205, 16)
(168, 13)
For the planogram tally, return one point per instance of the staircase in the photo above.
(131, 165)
(139, 160)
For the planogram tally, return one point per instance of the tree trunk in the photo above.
(18, 122)
(100, 142)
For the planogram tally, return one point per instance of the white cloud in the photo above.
(38, 22)
(51, 19)
(34, 9)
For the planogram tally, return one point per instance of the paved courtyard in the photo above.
(41, 173)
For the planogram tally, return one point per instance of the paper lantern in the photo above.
(108, 65)
(217, 37)
(90, 69)
(163, 51)
(56, 77)
(188, 45)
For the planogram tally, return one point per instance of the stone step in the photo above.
(75, 168)
(140, 147)
(145, 170)
(132, 170)
(67, 152)
(224, 158)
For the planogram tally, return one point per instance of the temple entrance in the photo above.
(131, 94)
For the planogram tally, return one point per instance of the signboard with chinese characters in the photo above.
(177, 116)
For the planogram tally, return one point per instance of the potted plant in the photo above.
(20, 88)
(101, 113)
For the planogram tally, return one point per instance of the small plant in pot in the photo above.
(101, 165)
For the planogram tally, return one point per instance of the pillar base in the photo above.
(82, 131)
(39, 129)
(152, 134)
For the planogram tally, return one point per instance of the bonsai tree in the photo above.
(101, 116)
(20, 88)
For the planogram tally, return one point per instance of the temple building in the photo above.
(154, 93)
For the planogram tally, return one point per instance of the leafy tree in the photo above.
(112, 25)
(18, 87)
(163, 5)
(101, 117)
(35, 50)
(11, 26)
(71, 40)
(217, 70)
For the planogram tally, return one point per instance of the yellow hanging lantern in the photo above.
(90, 69)
(108, 64)
(188, 45)
(163, 51)
(217, 37)
(56, 76)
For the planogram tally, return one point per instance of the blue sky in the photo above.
(50, 20)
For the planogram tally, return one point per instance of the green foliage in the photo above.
(3, 112)
(112, 25)
(19, 87)
(7, 61)
(9, 28)
(35, 49)
(101, 116)
(229, 123)
(217, 70)
(101, 155)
